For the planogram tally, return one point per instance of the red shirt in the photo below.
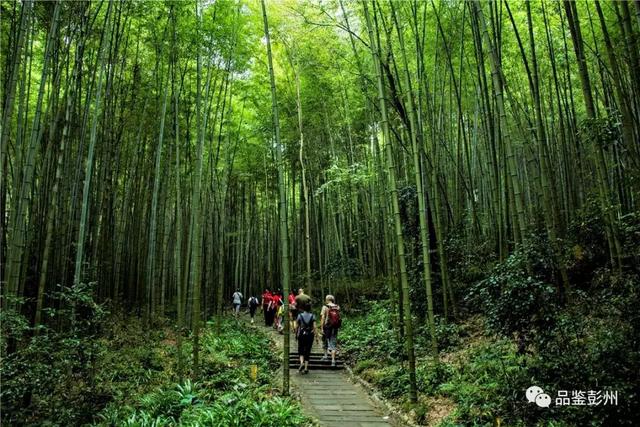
(277, 299)
(266, 298)
(292, 299)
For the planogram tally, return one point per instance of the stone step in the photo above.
(315, 359)
(312, 356)
(317, 367)
(295, 353)
(295, 363)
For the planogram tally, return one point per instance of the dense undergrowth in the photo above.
(514, 332)
(108, 370)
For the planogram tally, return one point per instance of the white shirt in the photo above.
(237, 298)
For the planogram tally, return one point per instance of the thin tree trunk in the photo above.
(404, 280)
(284, 238)
(424, 230)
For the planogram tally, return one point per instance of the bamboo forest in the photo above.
(320, 213)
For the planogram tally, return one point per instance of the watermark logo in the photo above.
(537, 395)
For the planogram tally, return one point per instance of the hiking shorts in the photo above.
(331, 335)
(236, 308)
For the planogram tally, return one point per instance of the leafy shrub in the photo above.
(392, 380)
(431, 374)
(489, 385)
(603, 131)
(630, 233)
(595, 345)
(363, 365)
(588, 244)
(124, 373)
(51, 375)
(189, 404)
(371, 336)
(468, 264)
(512, 299)
(447, 334)
(226, 358)
(225, 397)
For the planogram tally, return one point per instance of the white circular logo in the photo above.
(532, 392)
(543, 400)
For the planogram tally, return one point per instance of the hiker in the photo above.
(237, 302)
(271, 309)
(275, 307)
(303, 301)
(305, 334)
(293, 311)
(266, 301)
(253, 306)
(330, 322)
(280, 319)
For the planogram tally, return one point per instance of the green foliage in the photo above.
(13, 325)
(226, 396)
(594, 345)
(630, 236)
(370, 341)
(489, 384)
(602, 131)
(448, 334)
(590, 345)
(363, 365)
(226, 358)
(343, 268)
(431, 375)
(513, 300)
(392, 380)
(468, 263)
(112, 367)
(371, 336)
(192, 405)
(341, 177)
(244, 408)
(52, 374)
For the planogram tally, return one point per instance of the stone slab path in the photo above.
(330, 397)
(333, 400)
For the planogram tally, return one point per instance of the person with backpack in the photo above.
(237, 302)
(305, 334)
(330, 322)
(303, 301)
(253, 306)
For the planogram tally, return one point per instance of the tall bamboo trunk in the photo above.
(424, 229)
(404, 280)
(602, 185)
(284, 238)
(20, 215)
(151, 250)
(104, 48)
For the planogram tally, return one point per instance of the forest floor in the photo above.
(126, 374)
(330, 397)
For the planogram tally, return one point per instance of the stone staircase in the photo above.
(315, 362)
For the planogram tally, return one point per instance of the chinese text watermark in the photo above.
(536, 395)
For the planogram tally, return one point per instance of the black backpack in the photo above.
(306, 325)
